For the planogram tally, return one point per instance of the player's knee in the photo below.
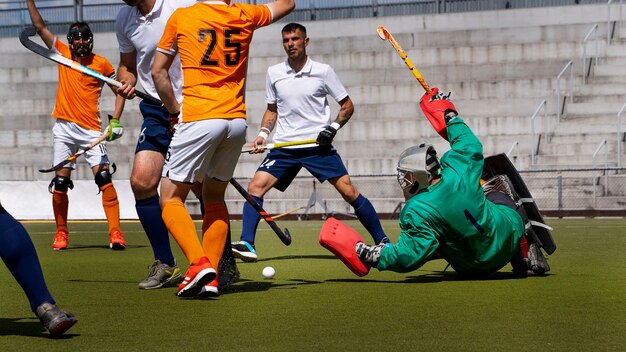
(103, 178)
(349, 194)
(60, 184)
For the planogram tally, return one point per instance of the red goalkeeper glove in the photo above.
(438, 110)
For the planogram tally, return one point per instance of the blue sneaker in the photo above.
(244, 251)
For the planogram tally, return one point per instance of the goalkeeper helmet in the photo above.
(417, 167)
(80, 30)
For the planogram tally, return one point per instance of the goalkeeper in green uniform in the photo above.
(478, 230)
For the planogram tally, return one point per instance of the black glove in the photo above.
(326, 136)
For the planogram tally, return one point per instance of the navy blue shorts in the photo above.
(322, 162)
(155, 129)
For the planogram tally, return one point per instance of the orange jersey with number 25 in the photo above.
(213, 41)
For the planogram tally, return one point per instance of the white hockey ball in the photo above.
(268, 272)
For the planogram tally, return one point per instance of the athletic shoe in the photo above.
(538, 263)
(60, 240)
(116, 240)
(244, 251)
(158, 275)
(369, 254)
(54, 319)
(196, 276)
(227, 271)
(210, 289)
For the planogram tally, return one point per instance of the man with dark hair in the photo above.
(78, 124)
(297, 105)
(19, 255)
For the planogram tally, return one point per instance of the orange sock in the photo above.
(214, 231)
(180, 225)
(111, 206)
(60, 204)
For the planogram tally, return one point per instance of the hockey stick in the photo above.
(285, 237)
(287, 212)
(77, 154)
(62, 60)
(270, 146)
(384, 34)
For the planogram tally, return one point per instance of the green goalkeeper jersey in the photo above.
(454, 218)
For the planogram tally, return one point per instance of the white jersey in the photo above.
(139, 33)
(301, 98)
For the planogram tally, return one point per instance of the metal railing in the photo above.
(101, 14)
(603, 144)
(560, 107)
(586, 69)
(612, 25)
(620, 138)
(535, 140)
(515, 147)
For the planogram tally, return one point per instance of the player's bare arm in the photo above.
(280, 8)
(346, 109)
(127, 74)
(162, 83)
(39, 24)
(267, 125)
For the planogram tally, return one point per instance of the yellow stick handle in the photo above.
(384, 34)
(269, 146)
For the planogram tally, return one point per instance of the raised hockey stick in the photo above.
(285, 236)
(270, 146)
(384, 34)
(62, 60)
(77, 154)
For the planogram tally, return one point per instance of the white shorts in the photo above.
(208, 148)
(69, 137)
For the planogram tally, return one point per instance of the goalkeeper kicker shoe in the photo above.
(244, 251)
(54, 319)
(60, 240)
(369, 254)
(116, 240)
(538, 262)
(197, 275)
(159, 274)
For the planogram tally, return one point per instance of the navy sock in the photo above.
(149, 212)
(250, 220)
(364, 210)
(19, 255)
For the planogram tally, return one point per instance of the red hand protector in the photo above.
(435, 108)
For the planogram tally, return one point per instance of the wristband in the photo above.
(263, 135)
(267, 130)
(335, 125)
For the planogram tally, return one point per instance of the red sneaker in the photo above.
(116, 240)
(210, 289)
(196, 277)
(60, 240)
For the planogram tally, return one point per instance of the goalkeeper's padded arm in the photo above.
(438, 110)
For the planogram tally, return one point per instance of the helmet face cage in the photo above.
(417, 167)
(80, 30)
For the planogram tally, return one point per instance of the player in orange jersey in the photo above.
(213, 40)
(78, 124)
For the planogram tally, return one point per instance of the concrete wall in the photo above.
(499, 66)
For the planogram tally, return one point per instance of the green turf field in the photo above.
(314, 303)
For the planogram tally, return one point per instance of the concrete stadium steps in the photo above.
(499, 66)
(423, 57)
